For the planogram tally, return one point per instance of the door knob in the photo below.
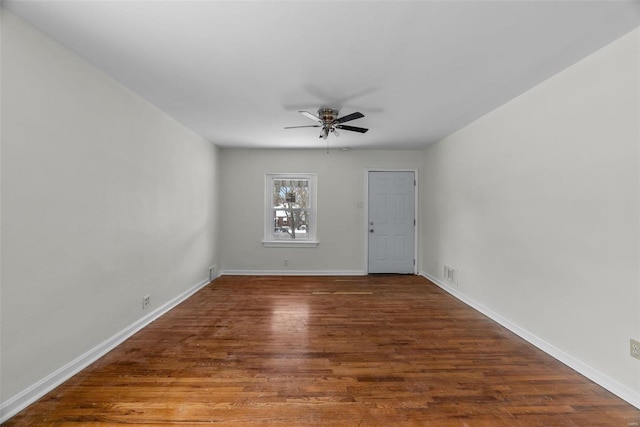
(371, 231)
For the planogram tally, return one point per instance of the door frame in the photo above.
(366, 213)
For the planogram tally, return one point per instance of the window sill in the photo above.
(289, 244)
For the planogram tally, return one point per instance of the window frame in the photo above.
(269, 240)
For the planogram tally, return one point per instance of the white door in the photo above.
(391, 222)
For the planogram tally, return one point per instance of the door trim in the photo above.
(365, 218)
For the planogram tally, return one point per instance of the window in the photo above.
(290, 218)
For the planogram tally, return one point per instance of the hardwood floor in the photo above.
(339, 351)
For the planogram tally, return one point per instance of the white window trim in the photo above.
(268, 240)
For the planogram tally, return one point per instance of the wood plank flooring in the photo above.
(335, 351)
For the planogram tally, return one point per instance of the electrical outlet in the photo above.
(635, 349)
(285, 262)
(146, 300)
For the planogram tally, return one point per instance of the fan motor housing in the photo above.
(328, 115)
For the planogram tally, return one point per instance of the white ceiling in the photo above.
(238, 72)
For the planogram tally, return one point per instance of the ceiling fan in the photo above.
(329, 122)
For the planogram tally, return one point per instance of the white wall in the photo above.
(340, 223)
(104, 199)
(537, 205)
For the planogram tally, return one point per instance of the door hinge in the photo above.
(414, 182)
(414, 222)
(414, 262)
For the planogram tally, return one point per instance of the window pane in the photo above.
(291, 194)
(289, 224)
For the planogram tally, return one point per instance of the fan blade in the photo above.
(352, 128)
(350, 117)
(307, 126)
(311, 116)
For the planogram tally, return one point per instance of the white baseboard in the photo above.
(293, 273)
(594, 375)
(25, 398)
